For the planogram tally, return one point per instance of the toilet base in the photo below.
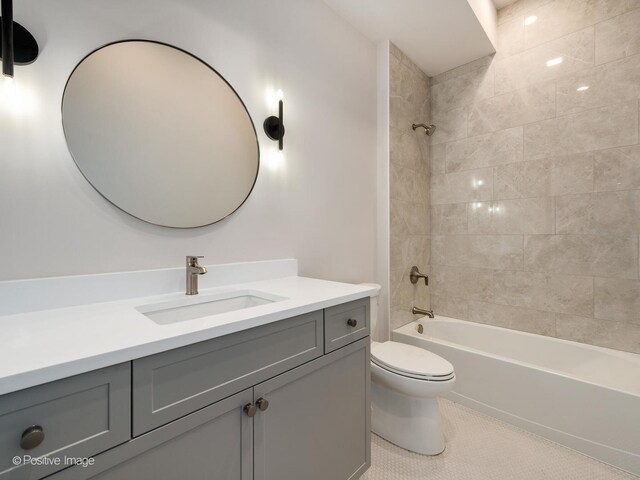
(411, 423)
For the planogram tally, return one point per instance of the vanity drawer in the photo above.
(80, 416)
(172, 384)
(346, 323)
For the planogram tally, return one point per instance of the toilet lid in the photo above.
(410, 360)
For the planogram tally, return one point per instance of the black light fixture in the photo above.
(274, 126)
(19, 47)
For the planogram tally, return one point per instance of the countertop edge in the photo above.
(51, 373)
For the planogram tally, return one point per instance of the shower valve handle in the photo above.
(415, 275)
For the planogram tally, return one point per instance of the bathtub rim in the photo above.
(635, 358)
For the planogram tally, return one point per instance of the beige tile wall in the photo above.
(409, 185)
(535, 186)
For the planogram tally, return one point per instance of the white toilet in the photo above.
(405, 383)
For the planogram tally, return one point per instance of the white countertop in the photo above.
(42, 346)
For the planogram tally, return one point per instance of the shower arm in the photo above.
(428, 129)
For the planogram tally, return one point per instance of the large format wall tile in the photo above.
(438, 158)
(607, 213)
(527, 105)
(480, 64)
(606, 84)
(604, 333)
(540, 291)
(606, 127)
(454, 307)
(405, 150)
(617, 299)
(519, 9)
(510, 38)
(463, 282)
(451, 125)
(518, 318)
(467, 186)
(562, 17)
(462, 90)
(439, 249)
(484, 251)
(406, 80)
(409, 186)
(617, 169)
(409, 250)
(449, 219)
(603, 255)
(529, 67)
(548, 177)
(400, 111)
(562, 143)
(512, 217)
(618, 37)
(414, 217)
(505, 146)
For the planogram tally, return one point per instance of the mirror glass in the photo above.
(160, 134)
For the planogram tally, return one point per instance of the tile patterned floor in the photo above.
(482, 448)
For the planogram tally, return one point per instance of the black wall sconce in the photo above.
(19, 47)
(274, 126)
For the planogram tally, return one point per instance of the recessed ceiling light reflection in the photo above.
(582, 88)
(554, 61)
(530, 20)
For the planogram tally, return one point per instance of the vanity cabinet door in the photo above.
(317, 422)
(173, 384)
(215, 443)
(74, 417)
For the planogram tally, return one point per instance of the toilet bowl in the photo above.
(405, 384)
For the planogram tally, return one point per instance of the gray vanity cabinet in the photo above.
(213, 443)
(78, 416)
(172, 384)
(268, 403)
(316, 426)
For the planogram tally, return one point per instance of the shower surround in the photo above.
(409, 103)
(535, 176)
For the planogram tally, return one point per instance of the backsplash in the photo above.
(535, 186)
(408, 185)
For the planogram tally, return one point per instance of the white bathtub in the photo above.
(586, 398)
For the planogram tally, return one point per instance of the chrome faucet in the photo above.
(420, 311)
(193, 271)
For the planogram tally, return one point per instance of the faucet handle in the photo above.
(193, 259)
(415, 275)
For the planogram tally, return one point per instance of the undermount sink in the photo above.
(190, 308)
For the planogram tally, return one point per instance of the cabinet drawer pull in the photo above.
(262, 404)
(32, 437)
(352, 322)
(250, 409)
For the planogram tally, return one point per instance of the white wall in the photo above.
(487, 15)
(318, 207)
(381, 332)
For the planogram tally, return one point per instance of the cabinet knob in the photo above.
(352, 322)
(262, 404)
(250, 409)
(32, 437)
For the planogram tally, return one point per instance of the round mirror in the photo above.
(160, 134)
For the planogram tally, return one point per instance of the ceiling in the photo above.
(437, 35)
